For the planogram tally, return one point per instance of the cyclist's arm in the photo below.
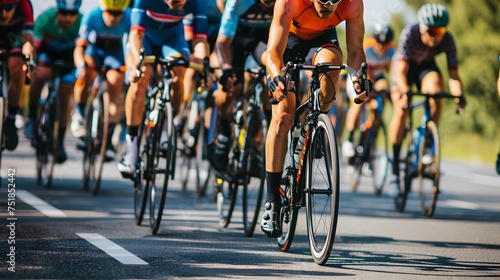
(454, 82)
(278, 38)
(227, 30)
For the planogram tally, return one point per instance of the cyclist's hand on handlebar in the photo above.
(133, 74)
(461, 102)
(276, 88)
(362, 85)
(228, 80)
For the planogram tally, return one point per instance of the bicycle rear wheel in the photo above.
(161, 169)
(429, 169)
(289, 205)
(322, 189)
(379, 156)
(98, 136)
(253, 185)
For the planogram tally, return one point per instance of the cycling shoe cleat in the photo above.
(270, 223)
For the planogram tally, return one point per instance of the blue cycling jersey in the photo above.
(156, 15)
(94, 31)
(244, 14)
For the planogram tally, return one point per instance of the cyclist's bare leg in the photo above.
(277, 136)
(134, 101)
(177, 93)
(42, 74)
(65, 96)
(433, 83)
(115, 83)
(329, 85)
(81, 88)
(16, 83)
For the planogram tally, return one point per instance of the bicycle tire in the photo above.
(429, 174)
(253, 187)
(141, 183)
(226, 199)
(47, 144)
(379, 156)
(322, 158)
(88, 154)
(289, 207)
(161, 165)
(100, 141)
(409, 173)
(354, 171)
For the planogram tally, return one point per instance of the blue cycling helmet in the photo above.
(433, 15)
(69, 5)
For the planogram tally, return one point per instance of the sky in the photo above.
(376, 11)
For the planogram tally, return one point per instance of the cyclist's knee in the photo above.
(283, 122)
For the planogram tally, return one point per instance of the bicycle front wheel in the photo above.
(98, 134)
(409, 173)
(322, 189)
(162, 150)
(141, 179)
(429, 169)
(253, 187)
(379, 156)
(46, 147)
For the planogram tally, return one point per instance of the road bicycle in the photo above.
(192, 147)
(156, 160)
(47, 125)
(311, 175)
(246, 168)
(371, 147)
(422, 163)
(96, 124)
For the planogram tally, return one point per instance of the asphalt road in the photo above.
(66, 233)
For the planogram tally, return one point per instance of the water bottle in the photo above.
(297, 155)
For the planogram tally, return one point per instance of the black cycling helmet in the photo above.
(433, 15)
(383, 33)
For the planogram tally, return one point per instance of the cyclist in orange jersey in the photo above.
(305, 29)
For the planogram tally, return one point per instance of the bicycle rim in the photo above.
(256, 174)
(141, 184)
(379, 157)
(322, 189)
(162, 157)
(99, 138)
(429, 172)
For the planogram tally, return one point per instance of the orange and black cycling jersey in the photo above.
(307, 25)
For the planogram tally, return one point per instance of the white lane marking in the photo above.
(461, 204)
(112, 249)
(40, 205)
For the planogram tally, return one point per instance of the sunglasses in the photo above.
(7, 7)
(326, 2)
(436, 31)
(114, 13)
(67, 12)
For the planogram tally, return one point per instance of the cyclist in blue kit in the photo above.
(244, 30)
(157, 27)
(101, 36)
